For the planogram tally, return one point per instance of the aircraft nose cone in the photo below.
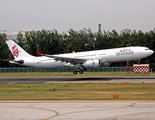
(151, 52)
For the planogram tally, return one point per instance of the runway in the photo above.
(77, 110)
(75, 80)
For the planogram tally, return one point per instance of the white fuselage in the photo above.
(107, 55)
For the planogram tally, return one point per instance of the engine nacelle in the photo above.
(103, 64)
(91, 63)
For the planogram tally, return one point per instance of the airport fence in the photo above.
(63, 69)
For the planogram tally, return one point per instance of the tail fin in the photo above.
(16, 50)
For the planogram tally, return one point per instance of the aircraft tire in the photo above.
(81, 72)
(78, 69)
(74, 72)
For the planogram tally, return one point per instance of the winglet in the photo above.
(39, 53)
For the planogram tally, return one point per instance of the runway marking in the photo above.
(51, 116)
(40, 109)
(47, 110)
(90, 110)
(11, 83)
(48, 82)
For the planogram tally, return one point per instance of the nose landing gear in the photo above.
(138, 61)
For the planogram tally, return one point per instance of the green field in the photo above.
(78, 91)
(70, 74)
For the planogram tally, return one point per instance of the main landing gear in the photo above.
(79, 70)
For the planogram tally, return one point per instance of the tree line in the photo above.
(52, 42)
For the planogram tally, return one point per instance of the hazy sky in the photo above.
(62, 15)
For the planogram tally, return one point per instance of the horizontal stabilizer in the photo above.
(16, 61)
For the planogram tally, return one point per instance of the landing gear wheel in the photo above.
(78, 70)
(81, 72)
(74, 72)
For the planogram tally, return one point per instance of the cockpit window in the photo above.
(147, 49)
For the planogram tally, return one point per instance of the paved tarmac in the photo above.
(77, 110)
(76, 80)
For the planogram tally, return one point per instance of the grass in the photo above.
(78, 91)
(70, 74)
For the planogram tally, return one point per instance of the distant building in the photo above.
(12, 36)
(15, 34)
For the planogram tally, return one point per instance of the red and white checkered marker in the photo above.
(142, 68)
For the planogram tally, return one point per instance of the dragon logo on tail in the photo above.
(15, 51)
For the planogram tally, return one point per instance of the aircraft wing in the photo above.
(66, 59)
(73, 61)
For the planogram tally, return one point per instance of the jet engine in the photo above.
(91, 63)
(103, 64)
(96, 63)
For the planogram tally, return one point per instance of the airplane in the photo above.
(81, 60)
